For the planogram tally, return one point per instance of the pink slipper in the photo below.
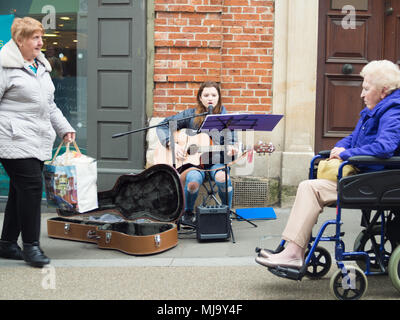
(265, 253)
(268, 262)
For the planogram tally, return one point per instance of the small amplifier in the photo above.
(213, 222)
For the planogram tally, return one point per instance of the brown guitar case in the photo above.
(146, 207)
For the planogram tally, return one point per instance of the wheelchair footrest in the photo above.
(340, 235)
(331, 238)
(288, 273)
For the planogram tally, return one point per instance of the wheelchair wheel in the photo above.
(319, 264)
(351, 286)
(363, 243)
(394, 268)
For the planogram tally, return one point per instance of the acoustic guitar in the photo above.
(198, 147)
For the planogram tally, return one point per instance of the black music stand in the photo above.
(255, 122)
(236, 121)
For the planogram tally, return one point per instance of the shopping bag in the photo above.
(71, 181)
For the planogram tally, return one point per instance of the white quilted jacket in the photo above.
(29, 118)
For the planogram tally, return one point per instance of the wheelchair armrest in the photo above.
(370, 160)
(324, 153)
(372, 190)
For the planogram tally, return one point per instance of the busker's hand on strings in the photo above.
(232, 150)
(69, 137)
(335, 153)
(180, 152)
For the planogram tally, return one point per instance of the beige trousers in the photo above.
(311, 197)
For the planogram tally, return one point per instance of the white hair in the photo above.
(382, 74)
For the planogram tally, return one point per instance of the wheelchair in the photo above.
(376, 249)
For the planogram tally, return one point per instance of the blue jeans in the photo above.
(198, 177)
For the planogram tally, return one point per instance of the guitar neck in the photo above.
(213, 148)
(217, 148)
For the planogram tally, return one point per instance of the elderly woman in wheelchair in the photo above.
(374, 148)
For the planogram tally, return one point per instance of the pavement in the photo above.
(191, 271)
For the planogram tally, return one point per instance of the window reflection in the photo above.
(60, 51)
(65, 48)
(60, 48)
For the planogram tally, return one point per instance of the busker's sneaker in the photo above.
(188, 219)
(10, 250)
(34, 256)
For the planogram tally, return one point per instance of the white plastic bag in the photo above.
(71, 181)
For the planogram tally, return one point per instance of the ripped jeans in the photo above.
(197, 177)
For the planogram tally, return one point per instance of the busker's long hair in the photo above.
(202, 108)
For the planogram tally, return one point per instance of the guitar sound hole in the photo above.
(193, 149)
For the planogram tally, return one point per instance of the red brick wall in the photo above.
(228, 41)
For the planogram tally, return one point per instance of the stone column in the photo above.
(295, 70)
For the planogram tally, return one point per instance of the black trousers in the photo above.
(22, 213)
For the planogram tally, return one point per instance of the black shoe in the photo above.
(188, 219)
(34, 256)
(10, 250)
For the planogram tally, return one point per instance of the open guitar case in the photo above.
(137, 216)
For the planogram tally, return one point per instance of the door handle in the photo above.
(388, 8)
(389, 11)
(347, 68)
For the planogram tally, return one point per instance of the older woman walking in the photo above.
(29, 121)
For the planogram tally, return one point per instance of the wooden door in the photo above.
(116, 89)
(344, 49)
(392, 31)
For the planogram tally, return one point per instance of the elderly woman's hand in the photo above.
(69, 137)
(335, 153)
